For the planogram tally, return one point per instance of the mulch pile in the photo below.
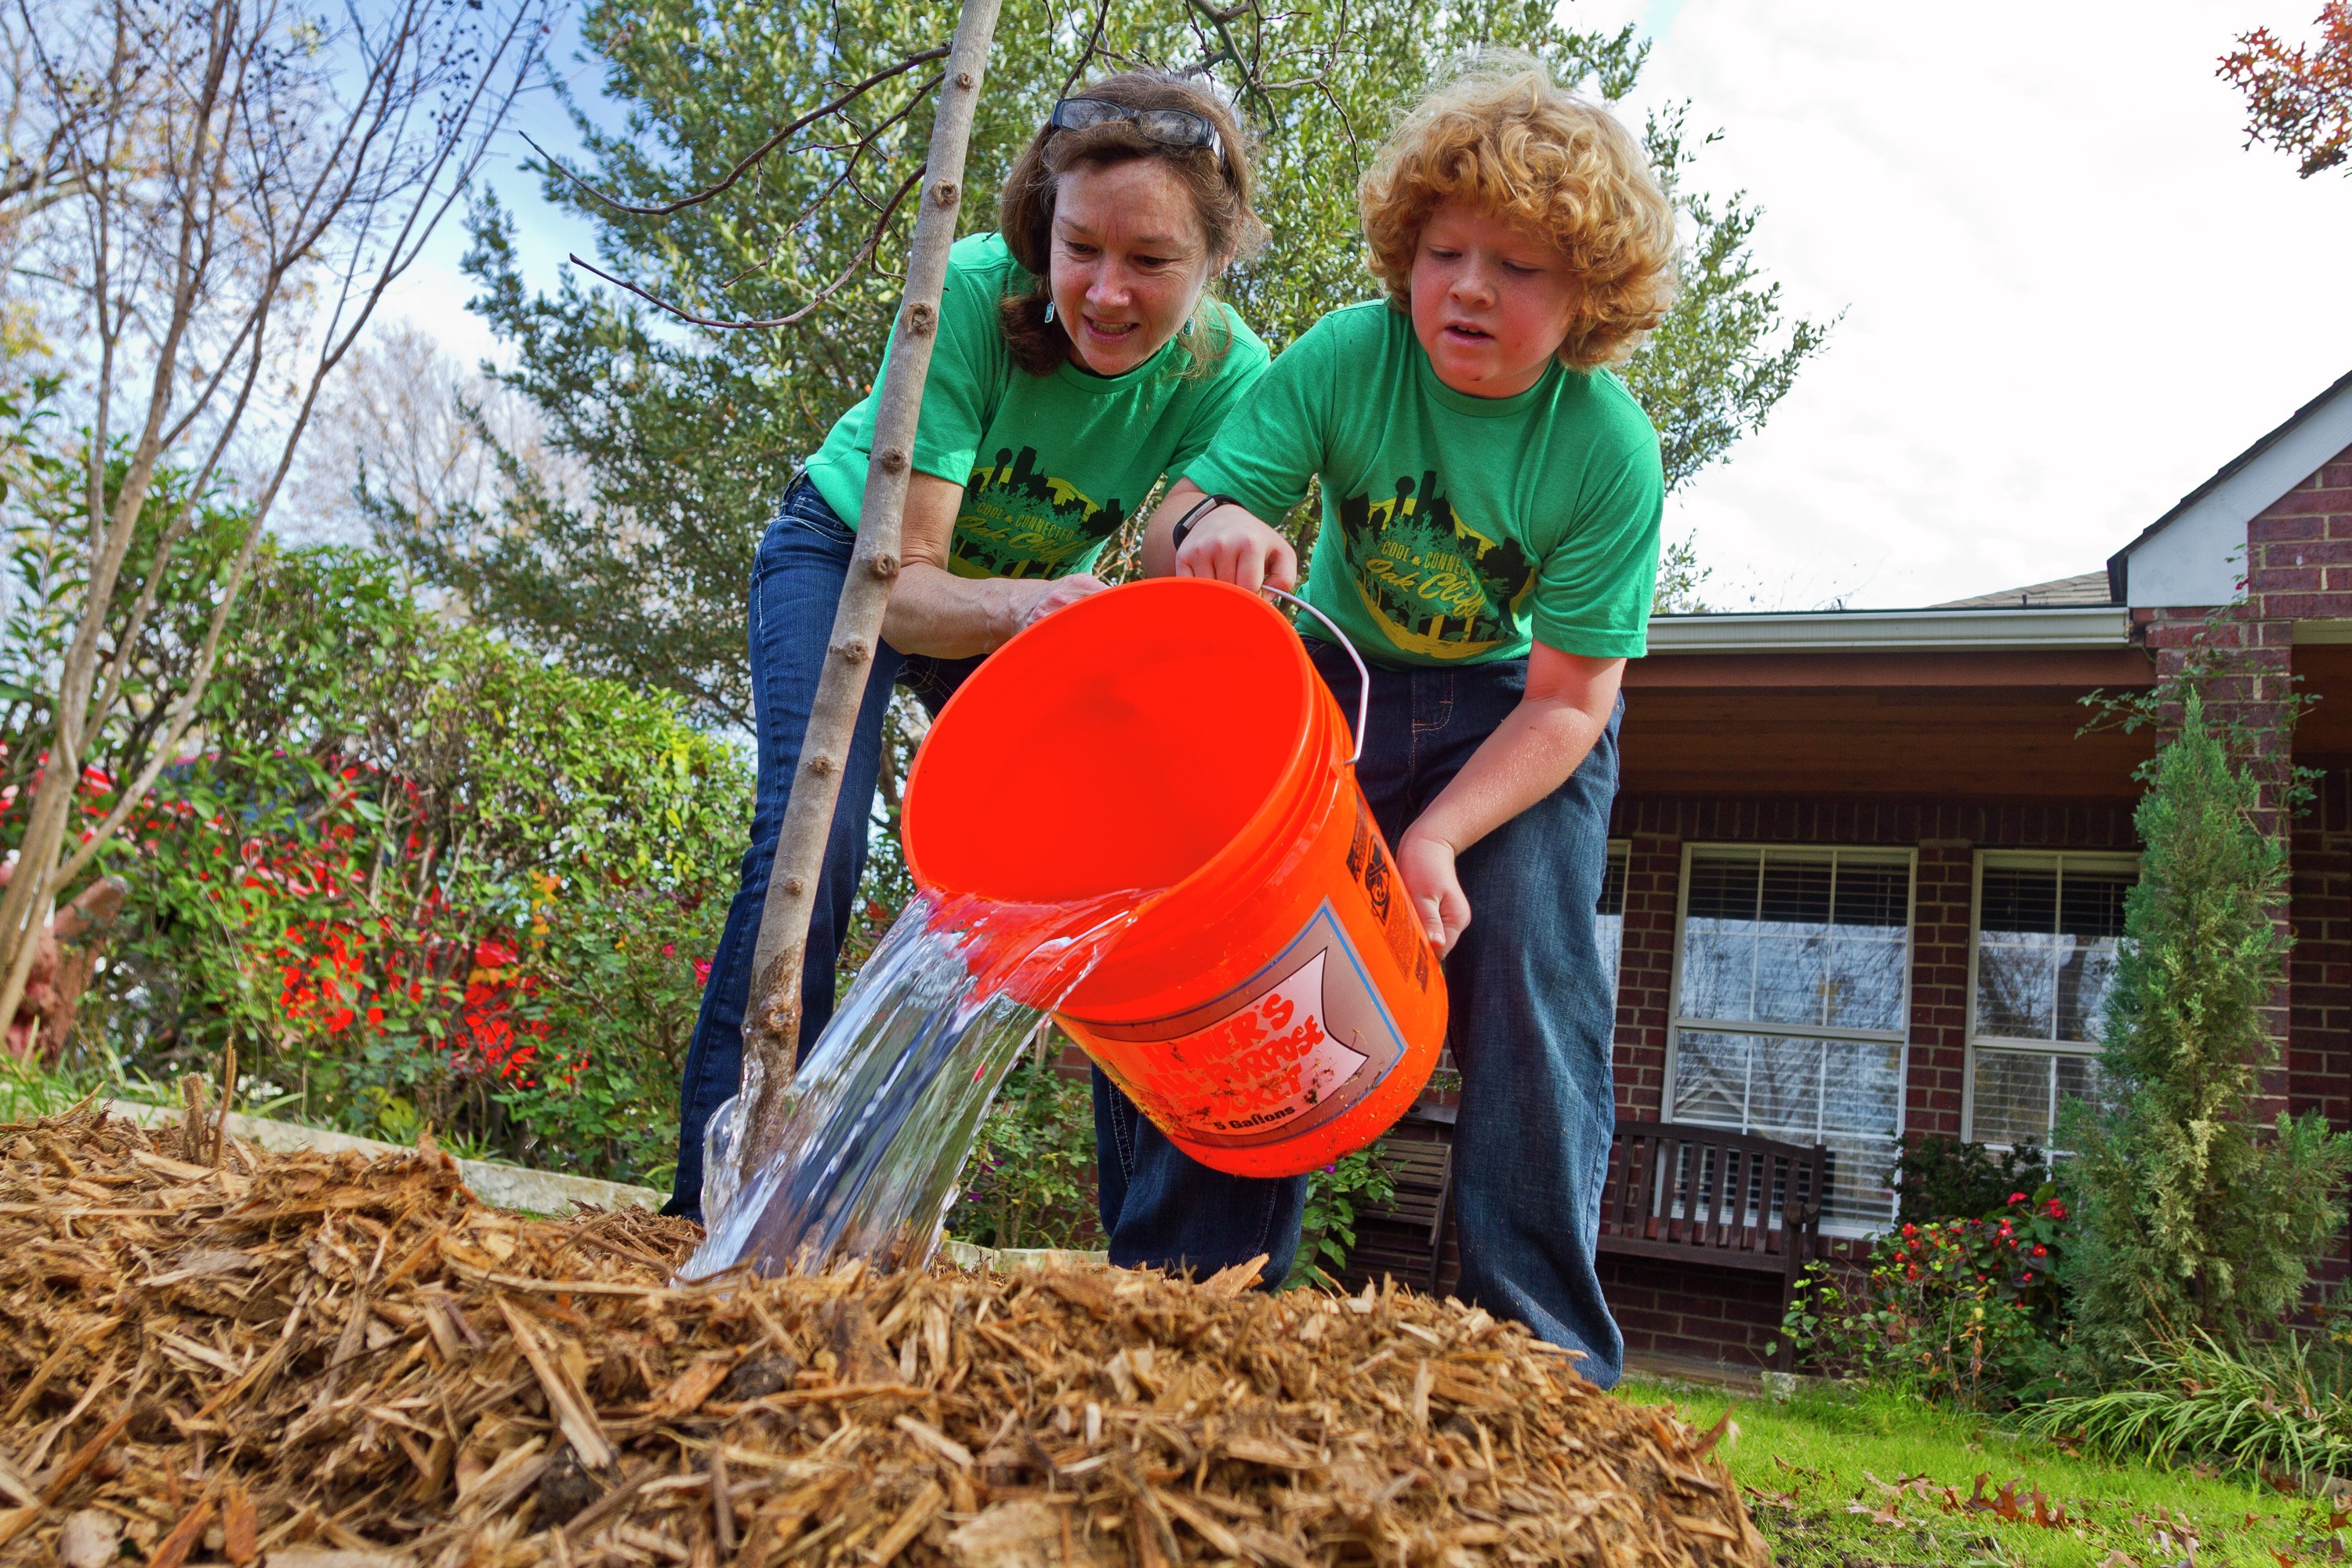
(210, 1353)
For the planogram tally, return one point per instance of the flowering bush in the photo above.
(417, 876)
(1953, 1310)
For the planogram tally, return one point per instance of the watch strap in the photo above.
(1197, 511)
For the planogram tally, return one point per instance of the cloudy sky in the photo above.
(2069, 293)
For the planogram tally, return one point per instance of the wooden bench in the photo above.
(1724, 1200)
(1405, 1237)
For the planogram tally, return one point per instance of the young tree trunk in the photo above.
(772, 1022)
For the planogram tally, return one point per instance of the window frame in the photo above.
(2031, 860)
(1618, 848)
(1677, 1021)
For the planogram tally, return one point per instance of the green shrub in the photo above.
(1030, 1179)
(420, 877)
(2195, 1219)
(1328, 1233)
(2274, 1408)
(1939, 1178)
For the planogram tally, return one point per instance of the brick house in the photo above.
(1869, 867)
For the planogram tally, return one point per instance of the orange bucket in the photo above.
(1275, 1005)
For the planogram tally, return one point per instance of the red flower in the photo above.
(2040, 1251)
(2017, 1197)
(702, 971)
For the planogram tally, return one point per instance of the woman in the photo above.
(1078, 362)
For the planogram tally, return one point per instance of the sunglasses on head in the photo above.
(1169, 127)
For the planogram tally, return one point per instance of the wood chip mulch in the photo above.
(209, 1353)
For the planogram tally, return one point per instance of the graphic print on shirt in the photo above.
(1432, 583)
(1019, 522)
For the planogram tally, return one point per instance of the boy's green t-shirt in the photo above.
(1454, 527)
(1051, 465)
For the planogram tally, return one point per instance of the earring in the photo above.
(1049, 311)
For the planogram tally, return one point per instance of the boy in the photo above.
(1489, 541)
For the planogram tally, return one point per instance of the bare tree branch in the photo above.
(226, 162)
(771, 1020)
(864, 253)
(753, 157)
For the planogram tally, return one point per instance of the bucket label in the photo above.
(1289, 1049)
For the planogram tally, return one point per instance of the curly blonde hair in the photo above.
(1500, 136)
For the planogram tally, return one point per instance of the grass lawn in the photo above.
(1853, 1479)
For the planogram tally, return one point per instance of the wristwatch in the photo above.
(1201, 509)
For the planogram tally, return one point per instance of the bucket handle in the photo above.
(1363, 676)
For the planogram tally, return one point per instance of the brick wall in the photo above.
(1937, 1064)
(1646, 969)
(1681, 1310)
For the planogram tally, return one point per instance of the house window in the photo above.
(1609, 915)
(1791, 1005)
(2047, 930)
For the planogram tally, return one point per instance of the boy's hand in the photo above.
(1426, 863)
(1232, 546)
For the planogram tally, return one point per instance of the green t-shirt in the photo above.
(1453, 526)
(1051, 465)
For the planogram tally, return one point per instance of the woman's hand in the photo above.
(1057, 594)
(1426, 862)
(1226, 544)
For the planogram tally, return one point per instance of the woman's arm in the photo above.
(1531, 753)
(1227, 544)
(932, 611)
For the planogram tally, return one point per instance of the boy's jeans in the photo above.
(796, 587)
(1531, 1018)
(1531, 1022)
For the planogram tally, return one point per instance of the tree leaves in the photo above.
(688, 438)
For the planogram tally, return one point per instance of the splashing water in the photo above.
(883, 1111)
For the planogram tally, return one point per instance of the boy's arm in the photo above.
(1265, 455)
(1532, 753)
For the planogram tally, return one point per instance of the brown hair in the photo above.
(1501, 138)
(1218, 182)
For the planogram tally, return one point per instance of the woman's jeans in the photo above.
(796, 587)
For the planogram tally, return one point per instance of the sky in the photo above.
(2066, 290)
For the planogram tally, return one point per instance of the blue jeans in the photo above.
(796, 587)
(1163, 1209)
(1530, 1018)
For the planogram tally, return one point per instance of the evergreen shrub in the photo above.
(2195, 1218)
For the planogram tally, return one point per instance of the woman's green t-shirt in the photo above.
(1051, 465)
(1454, 528)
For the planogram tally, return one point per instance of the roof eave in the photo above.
(1910, 631)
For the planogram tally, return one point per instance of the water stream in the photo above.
(883, 1110)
